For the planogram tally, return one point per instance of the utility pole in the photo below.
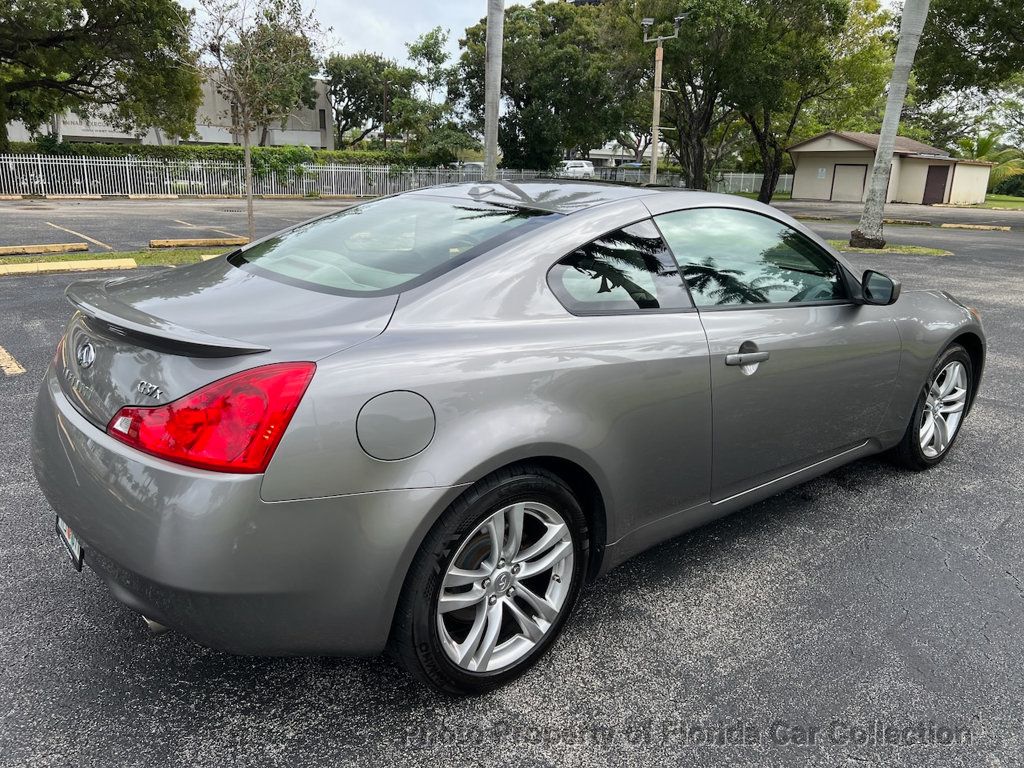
(492, 85)
(659, 55)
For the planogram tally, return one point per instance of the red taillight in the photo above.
(231, 425)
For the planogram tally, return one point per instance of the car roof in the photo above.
(554, 196)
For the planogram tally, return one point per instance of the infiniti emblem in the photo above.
(86, 355)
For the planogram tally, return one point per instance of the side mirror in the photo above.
(879, 289)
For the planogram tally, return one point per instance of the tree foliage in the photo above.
(971, 44)
(558, 86)
(126, 60)
(808, 59)
(358, 85)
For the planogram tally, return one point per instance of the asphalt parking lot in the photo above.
(866, 599)
(115, 224)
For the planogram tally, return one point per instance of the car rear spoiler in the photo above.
(91, 299)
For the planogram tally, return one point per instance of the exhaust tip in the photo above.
(155, 627)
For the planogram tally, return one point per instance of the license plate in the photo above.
(71, 543)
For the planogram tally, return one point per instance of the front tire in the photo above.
(493, 583)
(939, 412)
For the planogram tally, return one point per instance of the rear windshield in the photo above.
(387, 245)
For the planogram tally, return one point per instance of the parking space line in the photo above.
(79, 234)
(9, 365)
(211, 229)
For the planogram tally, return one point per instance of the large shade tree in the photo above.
(364, 88)
(129, 61)
(557, 89)
(806, 59)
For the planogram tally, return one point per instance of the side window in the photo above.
(628, 270)
(733, 257)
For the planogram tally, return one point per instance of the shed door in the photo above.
(848, 183)
(935, 184)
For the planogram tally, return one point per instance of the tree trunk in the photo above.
(5, 142)
(869, 233)
(771, 163)
(693, 155)
(247, 154)
(263, 136)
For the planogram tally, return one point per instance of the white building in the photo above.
(304, 127)
(836, 165)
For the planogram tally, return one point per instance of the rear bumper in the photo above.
(202, 553)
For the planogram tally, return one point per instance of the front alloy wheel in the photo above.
(940, 411)
(943, 409)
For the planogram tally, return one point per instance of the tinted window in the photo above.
(387, 244)
(627, 270)
(737, 257)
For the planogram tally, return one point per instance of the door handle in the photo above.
(746, 358)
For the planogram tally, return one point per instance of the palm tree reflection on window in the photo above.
(730, 286)
(617, 260)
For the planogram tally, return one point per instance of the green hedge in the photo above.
(264, 158)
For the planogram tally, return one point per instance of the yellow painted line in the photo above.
(229, 234)
(989, 227)
(19, 250)
(208, 256)
(198, 242)
(79, 234)
(9, 365)
(83, 265)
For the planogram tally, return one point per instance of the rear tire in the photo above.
(939, 412)
(493, 583)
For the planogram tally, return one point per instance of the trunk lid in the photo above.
(151, 339)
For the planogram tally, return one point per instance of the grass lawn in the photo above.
(914, 250)
(1002, 201)
(146, 257)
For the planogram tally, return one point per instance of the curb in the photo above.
(987, 227)
(85, 265)
(908, 222)
(22, 250)
(198, 242)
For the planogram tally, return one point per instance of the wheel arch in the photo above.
(975, 348)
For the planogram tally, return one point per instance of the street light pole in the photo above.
(659, 55)
(492, 85)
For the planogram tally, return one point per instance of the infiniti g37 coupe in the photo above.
(422, 423)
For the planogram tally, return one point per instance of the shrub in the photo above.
(1012, 185)
(265, 159)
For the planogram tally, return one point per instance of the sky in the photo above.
(385, 26)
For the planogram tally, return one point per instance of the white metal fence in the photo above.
(58, 175)
(748, 182)
(50, 175)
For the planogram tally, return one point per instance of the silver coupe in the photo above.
(424, 422)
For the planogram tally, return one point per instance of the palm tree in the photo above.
(1006, 161)
(869, 233)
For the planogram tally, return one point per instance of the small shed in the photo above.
(836, 165)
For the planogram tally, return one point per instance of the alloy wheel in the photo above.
(505, 587)
(943, 409)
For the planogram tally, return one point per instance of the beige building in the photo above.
(304, 127)
(836, 165)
